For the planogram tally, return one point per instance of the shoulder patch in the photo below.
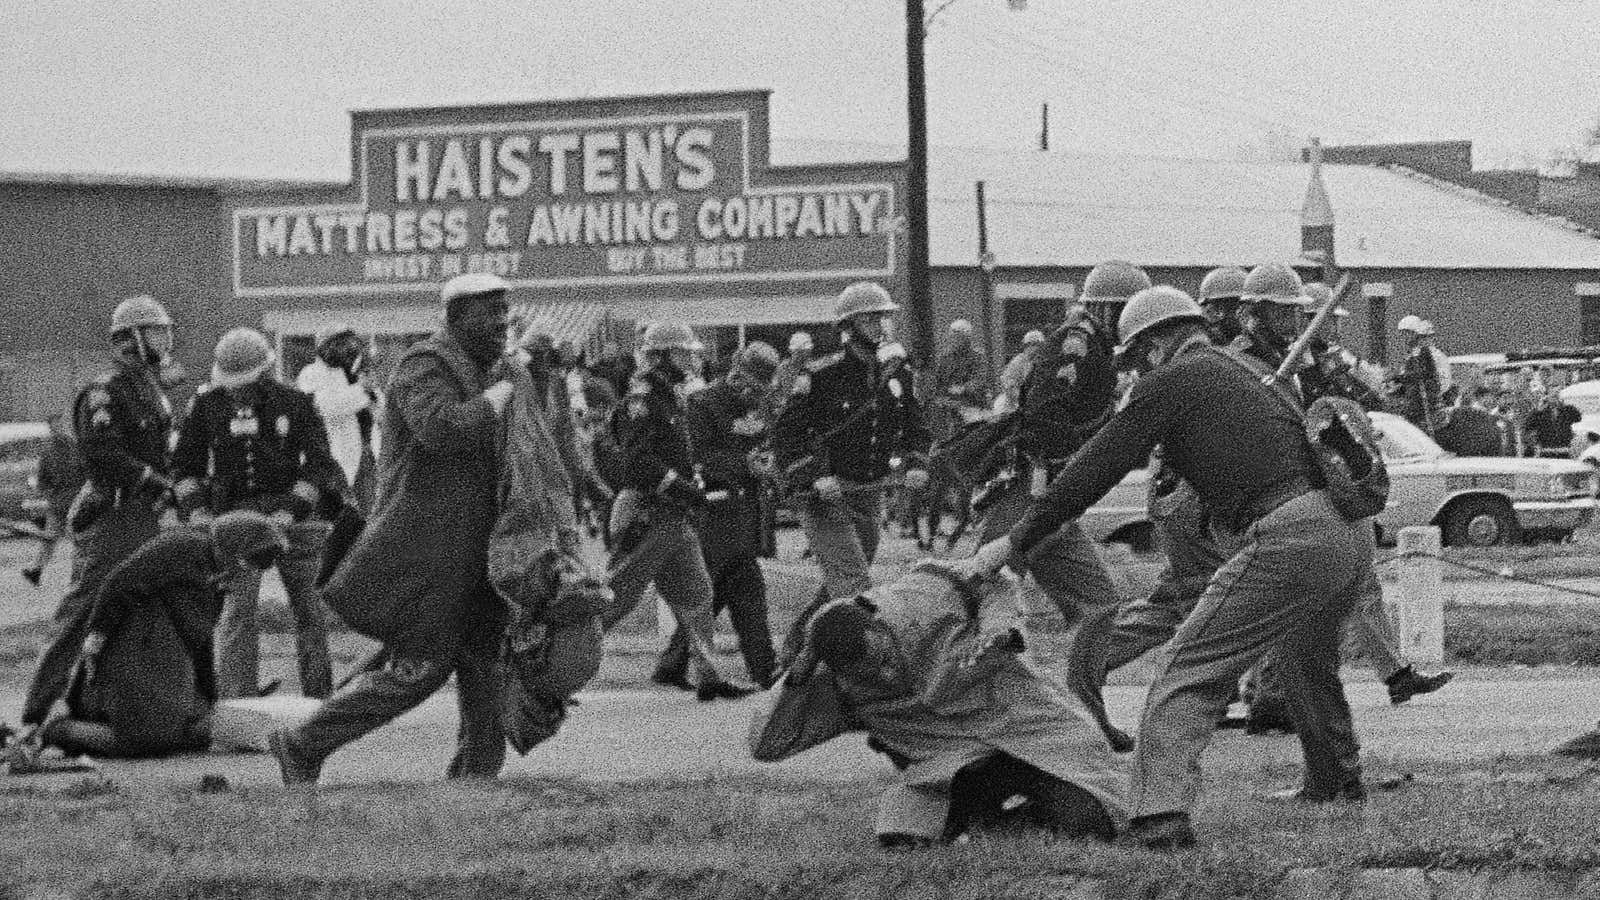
(97, 397)
(801, 386)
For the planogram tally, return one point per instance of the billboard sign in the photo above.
(655, 199)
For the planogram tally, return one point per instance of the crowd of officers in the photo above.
(1260, 564)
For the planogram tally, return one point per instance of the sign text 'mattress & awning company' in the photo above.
(635, 200)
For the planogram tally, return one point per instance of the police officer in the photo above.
(1294, 567)
(848, 422)
(1275, 301)
(123, 422)
(728, 429)
(1221, 292)
(1068, 396)
(250, 442)
(651, 520)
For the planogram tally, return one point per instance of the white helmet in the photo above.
(1033, 337)
(799, 341)
(1413, 324)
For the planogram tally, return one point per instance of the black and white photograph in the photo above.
(848, 449)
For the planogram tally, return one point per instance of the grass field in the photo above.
(752, 838)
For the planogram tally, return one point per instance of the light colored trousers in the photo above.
(238, 643)
(1291, 581)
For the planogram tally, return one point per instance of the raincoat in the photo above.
(965, 697)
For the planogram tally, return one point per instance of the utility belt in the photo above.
(1254, 509)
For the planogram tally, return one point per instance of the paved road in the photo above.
(639, 735)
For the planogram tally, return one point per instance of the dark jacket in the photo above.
(261, 447)
(1065, 399)
(723, 432)
(61, 470)
(153, 680)
(1219, 428)
(1475, 432)
(123, 422)
(652, 432)
(832, 392)
(419, 570)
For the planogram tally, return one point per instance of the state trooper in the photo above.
(848, 422)
(652, 519)
(123, 423)
(1221, 292)
(250, 442)
(1274, 303)
(1065, 400)
(1293, 573)
(728, 428)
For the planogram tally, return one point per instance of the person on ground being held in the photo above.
(652, 520)
(417, 578)
(123, 424)
(1293, 574)
(144, 684)
(251, 442)
(728, 432)
(1067, 399)
(847, 422)
(935, 669)
(336, 380)
(1547, 432)
(60, 477)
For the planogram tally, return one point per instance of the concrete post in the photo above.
(1419, 604)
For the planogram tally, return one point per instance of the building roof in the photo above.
(171, 182)
(1078, 209)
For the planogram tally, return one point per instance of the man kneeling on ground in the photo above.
(144, 683)
(934, 669)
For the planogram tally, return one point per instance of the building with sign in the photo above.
(607, 213)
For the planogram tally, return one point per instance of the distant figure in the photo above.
(1016, 372)
(800, 350)
(1474, 430)
(347, 402)
(1547, 432)
(60, 476)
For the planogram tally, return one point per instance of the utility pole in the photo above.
(1044, 127)
(918, 280)
(986, 280)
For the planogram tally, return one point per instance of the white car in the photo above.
(1476, 501)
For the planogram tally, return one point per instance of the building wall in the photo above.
(73, 251)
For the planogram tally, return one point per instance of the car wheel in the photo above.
(1480, 522)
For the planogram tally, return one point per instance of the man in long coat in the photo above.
(417, 578)
(933, 668)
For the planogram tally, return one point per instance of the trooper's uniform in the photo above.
(725, 432)
(1293, 572)
(861, 421)
(123, 423)
(1063, 403)
(651, 525)
(262, 447)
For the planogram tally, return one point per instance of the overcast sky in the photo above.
(262, 89)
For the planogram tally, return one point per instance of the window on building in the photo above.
(1589, 320)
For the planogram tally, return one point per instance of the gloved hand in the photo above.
(282, 517)
(153, 485)
(498, 395)
(917, 479)
(89, 656)
(829, 488)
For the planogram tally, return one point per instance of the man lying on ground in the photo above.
(935, 670)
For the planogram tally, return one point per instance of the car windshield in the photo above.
(1399, 439)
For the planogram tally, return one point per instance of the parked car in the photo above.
(21, 446)
(1476, 501)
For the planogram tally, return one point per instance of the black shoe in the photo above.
(1407, 683)
(721, 690)
(33, 574)
(1121, 741)
(1165, 831)
(671, 679)
(1584, 746)
(297, 771)
(270, 688)
(903, 843)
